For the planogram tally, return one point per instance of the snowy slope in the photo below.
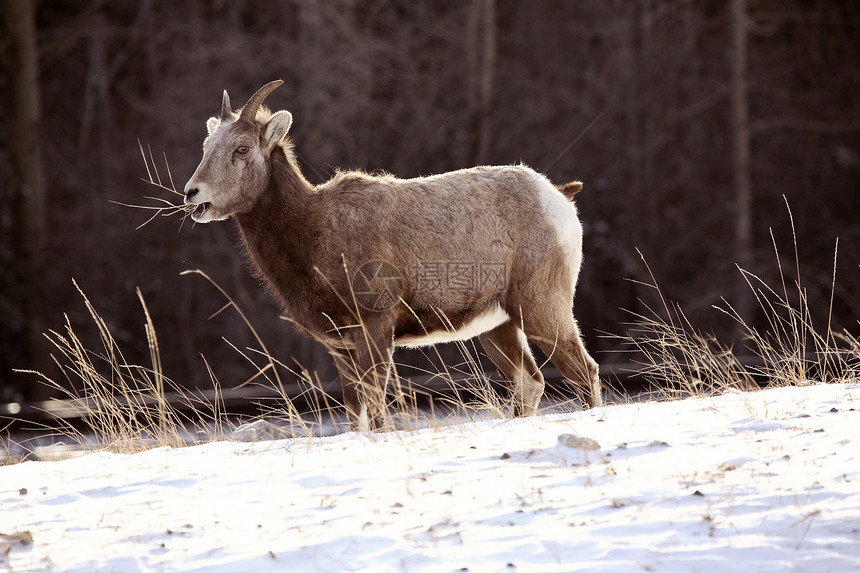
(767, 481)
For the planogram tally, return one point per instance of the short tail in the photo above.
(570, 189)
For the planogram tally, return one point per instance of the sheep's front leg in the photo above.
(349, 382)
(364, 371)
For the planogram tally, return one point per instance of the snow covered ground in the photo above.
(766, 481)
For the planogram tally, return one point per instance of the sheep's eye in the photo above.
(243, 149)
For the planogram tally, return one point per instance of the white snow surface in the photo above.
(764, 481)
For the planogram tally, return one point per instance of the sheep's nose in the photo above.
(190, 193)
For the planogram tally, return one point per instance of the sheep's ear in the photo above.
(212, 124)
(276, 128)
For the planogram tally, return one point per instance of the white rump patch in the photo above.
(483, 322)
(561, 213)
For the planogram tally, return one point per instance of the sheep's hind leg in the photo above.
(562, 343)
(507, 347)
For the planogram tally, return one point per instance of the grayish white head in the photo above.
(234, 168)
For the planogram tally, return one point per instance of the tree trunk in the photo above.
(28, 227)
(481, 60)
(741, 155)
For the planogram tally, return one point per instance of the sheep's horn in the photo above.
(249, 112)
(226, 110)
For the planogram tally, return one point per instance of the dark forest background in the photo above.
(687, 120)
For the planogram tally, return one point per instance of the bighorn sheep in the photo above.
(365, 263)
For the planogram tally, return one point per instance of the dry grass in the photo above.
(791, 349)
(124, 406)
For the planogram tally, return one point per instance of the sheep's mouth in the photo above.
(200, 210)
